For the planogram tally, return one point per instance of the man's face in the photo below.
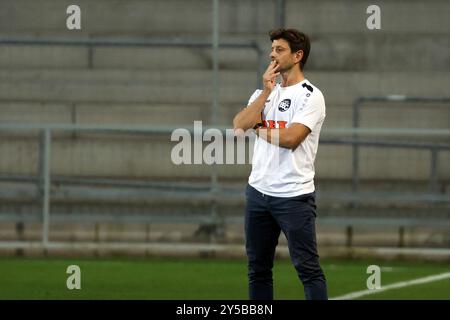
(281, 53)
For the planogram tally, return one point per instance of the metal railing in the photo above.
(147, 43)
(432, 147)
(45, 179)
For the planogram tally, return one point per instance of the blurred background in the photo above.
(86, 118)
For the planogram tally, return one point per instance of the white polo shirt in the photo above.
(282, 172)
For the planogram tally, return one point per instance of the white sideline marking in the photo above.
(358, 294)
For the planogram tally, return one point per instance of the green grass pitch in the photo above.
(182, 279)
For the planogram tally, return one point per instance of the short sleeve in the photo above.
(254, 96)
(310, 112)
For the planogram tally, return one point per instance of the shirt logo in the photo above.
(304, 85)
(284, 105)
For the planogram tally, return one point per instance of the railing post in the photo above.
(90, 57)
(260, 68)
(355, 148)
(217, 225)
(349, 236)
(401, 237)
(280, 10)
(44, 161)
(433, 183)
(215, 60)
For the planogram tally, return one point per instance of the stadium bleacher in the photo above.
(156, 86)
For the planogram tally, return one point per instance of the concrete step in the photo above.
(109, 85)
(182, 115)
(372, 115)
(100, 155)
(162, 17)
(153, 58)
(344, 87)
(379, 52)
(408, 197)
(350, 16)
(130, 86)
(38, 56)
(194, 86)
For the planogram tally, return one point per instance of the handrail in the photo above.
(149, 42)
(139, 42)
(390, 98)
(44, 180)
(357, 104)
(368, 132)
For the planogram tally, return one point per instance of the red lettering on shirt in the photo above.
(272, 124)
(281, 124)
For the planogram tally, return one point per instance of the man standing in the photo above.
(280, 194)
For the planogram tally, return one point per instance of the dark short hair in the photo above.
(297, 41)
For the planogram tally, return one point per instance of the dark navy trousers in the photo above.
(265, 218)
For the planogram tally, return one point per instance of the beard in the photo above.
(286, 67)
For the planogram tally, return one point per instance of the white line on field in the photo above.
(358, 294)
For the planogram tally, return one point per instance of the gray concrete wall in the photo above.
(187, 86)
(156, 98)
(44, 84)
(389, 115)
(150, 158)
(330, 52)
(249, 16)
(414, 35)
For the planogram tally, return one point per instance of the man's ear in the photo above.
(299, 55)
